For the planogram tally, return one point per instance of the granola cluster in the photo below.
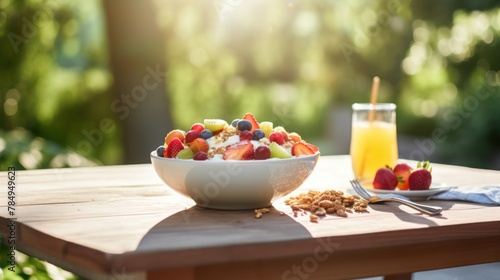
(326, 202)
(221, 138)
(216, 151)
(260, 212)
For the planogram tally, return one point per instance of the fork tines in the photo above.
(360, 190)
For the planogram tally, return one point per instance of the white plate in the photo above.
(423, 194)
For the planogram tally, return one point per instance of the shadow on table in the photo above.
(407, 214)
(198, 227)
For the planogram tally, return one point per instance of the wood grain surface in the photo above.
(104, 220)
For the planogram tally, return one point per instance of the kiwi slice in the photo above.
(215, 125)
(278, 151)
(186, 153)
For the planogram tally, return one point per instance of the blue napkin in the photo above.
(478, 194)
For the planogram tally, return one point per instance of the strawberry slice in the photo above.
(301, 149)
(242, 150)
(312, 147)
(251, 118)
(174, 147)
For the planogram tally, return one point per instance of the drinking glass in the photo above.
(373, 139)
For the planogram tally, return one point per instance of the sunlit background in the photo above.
(73, 90)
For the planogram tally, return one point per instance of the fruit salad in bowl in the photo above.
(239, 165)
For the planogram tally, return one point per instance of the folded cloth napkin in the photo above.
(478, 194)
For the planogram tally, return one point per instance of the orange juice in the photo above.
(373, 145)
(373, 139)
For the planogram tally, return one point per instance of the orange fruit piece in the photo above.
(199, 145)
(176, 133)
(295, 137)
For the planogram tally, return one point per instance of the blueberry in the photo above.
(160, 150)
(244, 125)
(258, 134)
(206, 133)
(235, 122)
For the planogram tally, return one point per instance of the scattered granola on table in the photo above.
(317, 204)
(260, 212)
(326, 202)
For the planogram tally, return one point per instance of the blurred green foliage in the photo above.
(288, 62)
(23, 150)
(54, 72)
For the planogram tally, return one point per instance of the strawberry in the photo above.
(301, 149)
(402, 172)
(199, 145)
(277, 137)
(385, 179)
(420, 178)
(251, 118)
(242, 150)
(174, 147)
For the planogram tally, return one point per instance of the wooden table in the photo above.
(122, 222)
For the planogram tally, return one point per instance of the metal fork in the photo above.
(430, 210)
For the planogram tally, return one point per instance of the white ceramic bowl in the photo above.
(234, 184)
